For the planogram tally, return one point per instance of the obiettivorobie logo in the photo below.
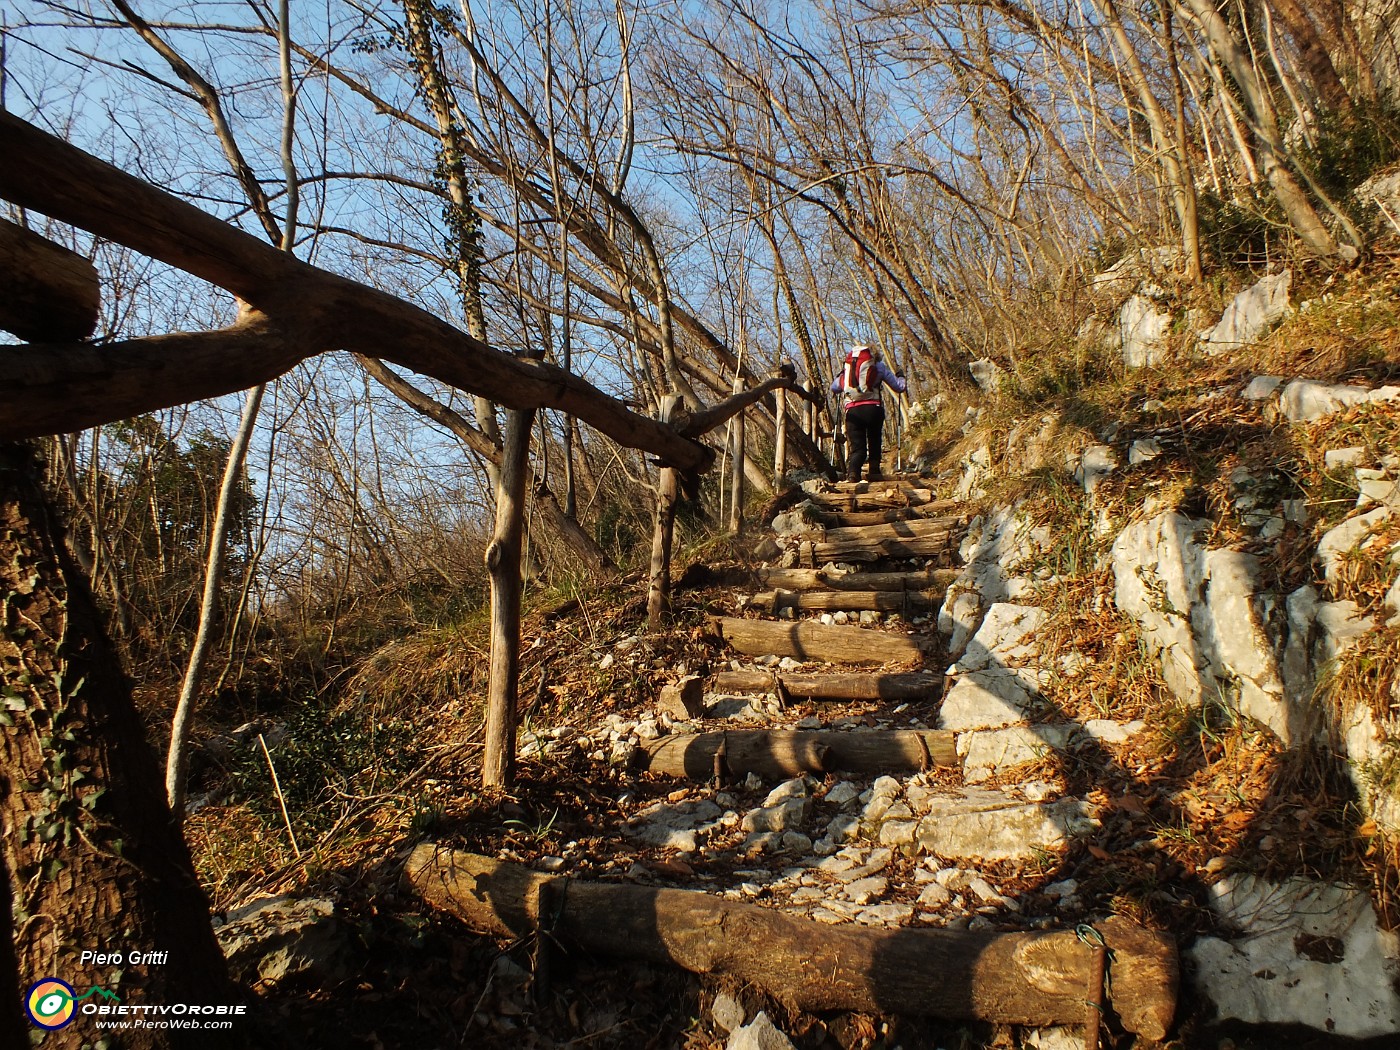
(52, 1003)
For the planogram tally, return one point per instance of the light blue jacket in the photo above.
(882, 374)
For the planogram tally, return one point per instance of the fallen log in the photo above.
(792, 752)
(852, 686)
(47, 292)
(821, 579)
(1011, 978)
(815, 641)
(878, 601)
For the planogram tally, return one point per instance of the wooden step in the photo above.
(851, 686)
(924, 538)
(775, 753)
(1028, 978)
(883, 500)
(834, 519)
(854, 601)
(821, 579)
(814, 641)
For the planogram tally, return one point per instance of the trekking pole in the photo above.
(899, 442)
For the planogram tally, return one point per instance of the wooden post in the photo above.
(503, 563)
(659, 587)
(780, 440)
(736, 490)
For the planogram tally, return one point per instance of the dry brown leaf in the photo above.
(1131, 804)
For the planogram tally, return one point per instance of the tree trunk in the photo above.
(659, 575)
(567, 528)
(780, 440)
(791, 753)
(177, 756)
(95, 859)
(1312, 54)
(46, 291)
(739, 461)
(1011, 978)
(814, 641)
(1228, 51)
(503, 563)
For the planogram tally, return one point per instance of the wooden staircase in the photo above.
(893, 882)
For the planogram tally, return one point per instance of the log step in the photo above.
(857, 601)
(775, 753)
(857, 549)
(852, 686)
(866, 501)
(814, 641)
(821, 579)
(1026, 978)
(838, 519)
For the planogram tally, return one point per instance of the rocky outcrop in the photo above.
(1249, 315)
(1307, 953)
(1142, 329)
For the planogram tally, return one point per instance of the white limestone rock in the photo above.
(1062, 1038)
(987, 753)
(794, 788)
(886, 915)
(935, 895)
(1232, 631)
(863, 891)
(976, 472)
(759, 1034)
(676, 826)
(1306, 400)
(1261, 388)
(1004, 638)
(1250, 314)
(981, 825)
(994, 551)
(1346, 537)
(788, 815)
(987, 374)
(1159, 574)
(841, 793)
(899, 833)
(1339, 458)
(1094, 464)
(1143, 450)
(986, 700)
(1309, 953)
(727, 1011)
(286, 938)
(1141, 326)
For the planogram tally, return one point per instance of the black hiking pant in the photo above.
(864, 424)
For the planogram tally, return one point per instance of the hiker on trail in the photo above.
(859, 383)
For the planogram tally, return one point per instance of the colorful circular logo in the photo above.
(49, 1003)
